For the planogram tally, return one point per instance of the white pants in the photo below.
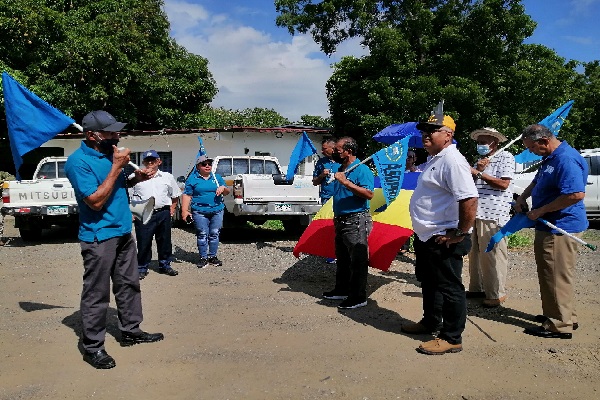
(488, 270)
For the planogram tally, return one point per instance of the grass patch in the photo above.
(272, 225)
(520, 239)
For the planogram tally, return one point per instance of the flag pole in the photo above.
(578, 240)
(351, 168)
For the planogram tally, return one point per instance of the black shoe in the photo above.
(352, 303)
(542, 318)
(215, 262)
(545, 333)
(143, 274)
(168, 271)
(475, 295)
(334, 295)
(99, 360)
(203, 263)
(129, 339)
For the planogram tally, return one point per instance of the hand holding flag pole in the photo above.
(332, 178)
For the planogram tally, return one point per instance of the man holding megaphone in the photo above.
(95, 171)
(163, 187)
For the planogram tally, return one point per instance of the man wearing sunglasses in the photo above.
(442, 209)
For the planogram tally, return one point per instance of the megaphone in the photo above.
(142, 210)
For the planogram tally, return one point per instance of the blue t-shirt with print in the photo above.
(86, 169)
(203, 192)
(562, 172)
(344, 201)
(327, 189)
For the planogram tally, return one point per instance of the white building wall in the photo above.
(184, 147)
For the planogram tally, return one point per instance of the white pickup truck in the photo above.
(260, 192)
(592, 191)
(48, 199)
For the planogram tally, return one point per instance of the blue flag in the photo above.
(31, 121)
(303, 149)
(391, 163)
(526, 156)
(515, 224)
(555, 120)
(201, 150)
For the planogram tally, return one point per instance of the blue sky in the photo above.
(257, 64)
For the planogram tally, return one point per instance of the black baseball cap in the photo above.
(102, 121)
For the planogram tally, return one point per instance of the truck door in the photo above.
(592, 195)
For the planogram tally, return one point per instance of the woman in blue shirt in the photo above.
(204, 192)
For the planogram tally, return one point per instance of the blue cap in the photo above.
(150, 154)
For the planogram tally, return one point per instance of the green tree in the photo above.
(117, 55)
(315, 120)
(470, 53)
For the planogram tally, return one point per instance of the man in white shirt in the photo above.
(442, 209)
(165, 191)
(492, 174)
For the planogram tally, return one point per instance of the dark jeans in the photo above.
(439, 269)
(112, 259)
(159, 226)
(352, 252)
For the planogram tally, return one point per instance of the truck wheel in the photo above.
(293, 226)
(31, 234)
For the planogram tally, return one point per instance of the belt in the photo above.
(349, 216)
(164, 208)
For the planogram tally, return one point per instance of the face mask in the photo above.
(105, 146)
(337, 157)
(483, 149)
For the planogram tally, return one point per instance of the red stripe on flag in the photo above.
(384, 243)
(317, 239)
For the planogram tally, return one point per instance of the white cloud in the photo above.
(251, 68)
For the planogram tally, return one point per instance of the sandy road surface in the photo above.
(256, 328)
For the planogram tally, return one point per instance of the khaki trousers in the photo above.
(488, 270)
(555, 256)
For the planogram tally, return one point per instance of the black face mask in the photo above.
(337, 157)
(105, 146)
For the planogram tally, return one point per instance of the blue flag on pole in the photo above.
(31, 121)
(201, 150)
(515, 224)
(303, 149)
(555, 120)
(391, 163)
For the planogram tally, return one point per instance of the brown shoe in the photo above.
(494, 302)
(438, 346)
(416, 328)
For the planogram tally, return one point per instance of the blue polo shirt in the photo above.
(344, 201)
(204, 198)
(327, 189)
(86, 169)
(562, 172)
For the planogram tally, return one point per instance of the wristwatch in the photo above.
(479, 175)
(459, 233)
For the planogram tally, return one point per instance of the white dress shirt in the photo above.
(445, 179)
(162, 186)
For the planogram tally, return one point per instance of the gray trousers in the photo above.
(115, 259)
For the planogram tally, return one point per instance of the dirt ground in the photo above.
(257, 328)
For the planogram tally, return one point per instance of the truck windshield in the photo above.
(47, 171)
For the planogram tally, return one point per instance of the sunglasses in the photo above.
(205, 163)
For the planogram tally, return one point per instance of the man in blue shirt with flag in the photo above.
(353, 224)
(109, 252)
(324, 168)
(557, 193)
